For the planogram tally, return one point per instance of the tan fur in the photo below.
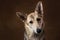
(31, 28)
(32, 16)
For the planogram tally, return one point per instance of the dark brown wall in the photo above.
(11, 28)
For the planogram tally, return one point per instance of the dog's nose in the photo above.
(38, 30)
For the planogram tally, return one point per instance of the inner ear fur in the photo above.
(39, 7)
(21, 16)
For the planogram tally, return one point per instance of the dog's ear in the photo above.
(21, 16)
(39, 8)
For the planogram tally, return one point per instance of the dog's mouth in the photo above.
(35, 34)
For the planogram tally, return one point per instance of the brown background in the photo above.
(11, 28)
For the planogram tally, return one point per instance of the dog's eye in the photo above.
(38, 19)
(31, 22)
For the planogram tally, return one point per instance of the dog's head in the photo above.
(34, 21)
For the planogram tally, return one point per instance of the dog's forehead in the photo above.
(33, 15)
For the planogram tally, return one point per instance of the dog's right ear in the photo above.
(39, 8)
(21, 16)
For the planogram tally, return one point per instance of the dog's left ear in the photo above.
(39, 8)
(21, 16)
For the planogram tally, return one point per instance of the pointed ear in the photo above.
(21, 16)
(39, 8)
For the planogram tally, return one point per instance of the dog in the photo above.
(33, 23)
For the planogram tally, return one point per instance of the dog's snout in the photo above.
(38, 30)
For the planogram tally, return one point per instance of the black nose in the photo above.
(38, 30)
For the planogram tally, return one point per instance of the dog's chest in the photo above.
(35, 37)
(31, 38)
